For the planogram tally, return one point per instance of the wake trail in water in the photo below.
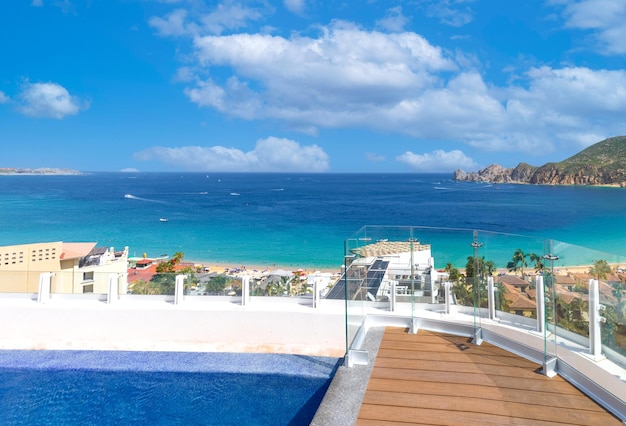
(132, 197)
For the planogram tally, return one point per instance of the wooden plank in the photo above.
(573, 401)
(489, 358)
(558, 387)
(416, 416)
(463, 366)
(432, 378)
(474, 403)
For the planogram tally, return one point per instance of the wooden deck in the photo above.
(433, 378)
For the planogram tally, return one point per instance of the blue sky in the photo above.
(308, 85)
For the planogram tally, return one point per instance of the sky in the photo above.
(308, 85)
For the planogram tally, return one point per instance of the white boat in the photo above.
(163, 219)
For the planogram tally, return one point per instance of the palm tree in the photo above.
(600, 269)
(503, 304)
(518, 262)
(453, 273)
(144, 287)
(476, 280)
(538, 261)
(178, 257)
(462, 293)
(490, 267)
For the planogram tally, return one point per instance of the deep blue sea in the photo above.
(294, 219)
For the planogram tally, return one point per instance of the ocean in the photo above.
(294, 219)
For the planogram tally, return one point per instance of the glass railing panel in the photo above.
(513, 263)
(569, 271)
(613, 325)
(441, 257)
(377, 264)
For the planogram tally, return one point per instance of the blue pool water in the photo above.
(157, 388)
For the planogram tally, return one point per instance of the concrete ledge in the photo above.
(162, 326)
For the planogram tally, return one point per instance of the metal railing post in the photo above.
(491, 299)
(179, 289)
(245, 290)
(540, 297)
(595, 319)
(113, 293)
(45, 279)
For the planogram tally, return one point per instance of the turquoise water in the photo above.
(294, 219)
(158, 388)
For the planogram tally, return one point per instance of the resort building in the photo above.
(405, 266)
(74, 267)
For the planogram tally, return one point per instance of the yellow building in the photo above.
(76, 267)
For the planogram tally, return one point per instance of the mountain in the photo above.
(603, 163)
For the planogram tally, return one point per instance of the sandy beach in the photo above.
(227, 267)
(224, 267)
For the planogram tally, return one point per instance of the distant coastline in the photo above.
(39, 171)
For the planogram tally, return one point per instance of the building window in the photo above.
(88, 288)
(88, 276)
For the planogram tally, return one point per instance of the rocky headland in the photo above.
(602, 164)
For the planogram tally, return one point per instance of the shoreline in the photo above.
(225, 267)
(253, 268)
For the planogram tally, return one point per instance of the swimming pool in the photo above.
(107, 388)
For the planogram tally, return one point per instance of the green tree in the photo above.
(502, 304)
(275, 288)
(217, 284)
(538, 262)
(610, 326)
(477, 283)
(462, 293)
(144, 287)
(518, 263)
(453, 273)
(600, 269)
(170, 265)
(166, 282)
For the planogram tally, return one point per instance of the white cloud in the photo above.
(437, 161)
(375, 158)
(4, 98)
(450, 12)
(129, 170)
(349, 77)
(226, 16)
(343, 77)
(393, 21)
(48, 100)
(295, 6)
(173, 24)
(37, 3)
(269, 155)
(605, 17)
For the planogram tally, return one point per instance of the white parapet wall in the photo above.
(159, 325)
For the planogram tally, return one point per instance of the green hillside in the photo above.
(610, 154)
(603, 163)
